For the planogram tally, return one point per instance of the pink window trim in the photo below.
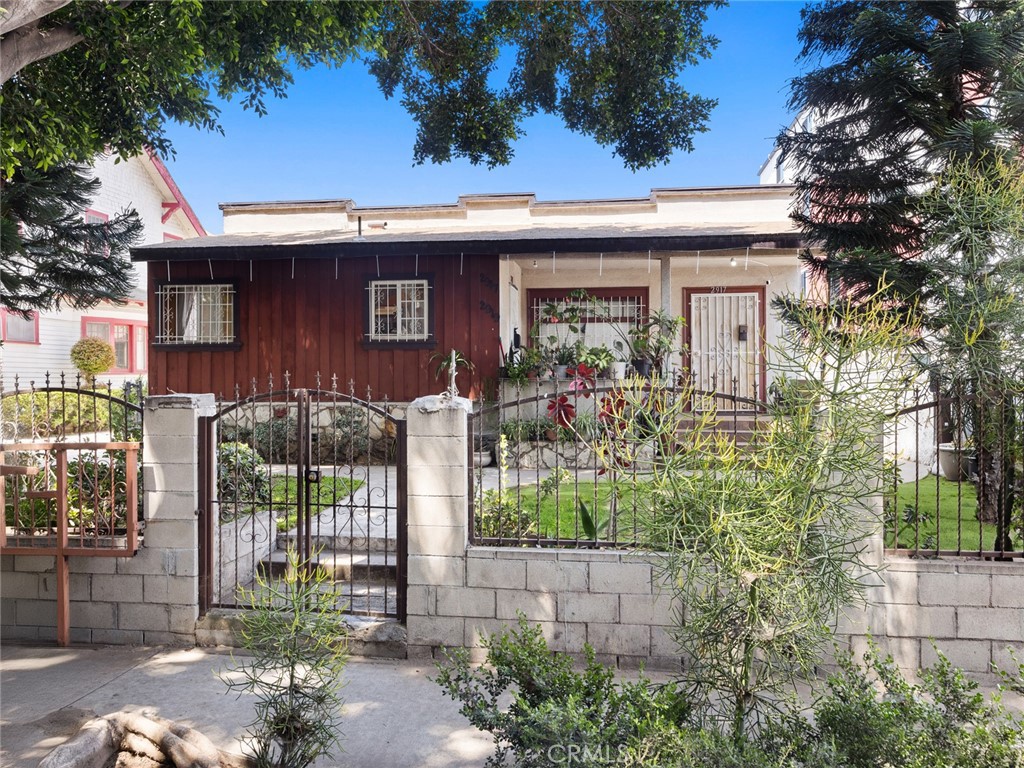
(132, 326)
(3, 328)
(97, 214)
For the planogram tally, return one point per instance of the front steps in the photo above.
(368, 636)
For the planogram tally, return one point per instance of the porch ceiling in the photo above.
(513, 241)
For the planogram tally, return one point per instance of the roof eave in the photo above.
(511, 246)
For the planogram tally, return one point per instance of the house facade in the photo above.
(374, 295)
(41, 344)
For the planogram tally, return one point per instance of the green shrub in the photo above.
(39, 415)
(92, 357)
(347, 439)
(23, 512)
(872, 716)
(497, 512)
(277, 439)
(521, 430)
(234, 433)
(542, 712)
(241, 475)
(296, 637)
(125, 422)
(96, 491)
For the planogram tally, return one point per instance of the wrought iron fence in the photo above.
(957, 487)
(539, 477)
(68, 450)
(70, 475)
(539, 468)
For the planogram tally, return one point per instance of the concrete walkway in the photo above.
(393, 715)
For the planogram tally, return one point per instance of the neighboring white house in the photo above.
(41, 344)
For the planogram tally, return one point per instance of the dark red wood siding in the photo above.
(313, 322)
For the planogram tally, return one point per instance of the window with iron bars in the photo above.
(602, 321)
(399, 310)
(195, 314)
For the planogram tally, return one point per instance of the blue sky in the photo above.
(335, 136)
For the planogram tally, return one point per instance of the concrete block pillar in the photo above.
(438, 519)
(169, 561)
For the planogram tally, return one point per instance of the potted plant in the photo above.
(520, 364)
(598, 358)
(561, 356)
(958, 460)
(650, 342)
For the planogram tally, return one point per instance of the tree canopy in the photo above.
(902, 90)
(910, 183)
(51, 255)
(82, 76)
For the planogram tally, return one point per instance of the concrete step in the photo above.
(339, 565)
(368, 636)
(341, 542)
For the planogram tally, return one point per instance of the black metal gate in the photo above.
(317, 471)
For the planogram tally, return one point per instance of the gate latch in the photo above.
(312, 475)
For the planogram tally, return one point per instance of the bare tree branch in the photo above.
(15, 14)
(29, 44)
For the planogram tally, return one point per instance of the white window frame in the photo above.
(6, 316)
(407, 310)
(202, 314)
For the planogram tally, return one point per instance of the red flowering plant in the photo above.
(613, 416)
(582, 379)
(561, 410)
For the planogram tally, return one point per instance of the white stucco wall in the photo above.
(133, 183)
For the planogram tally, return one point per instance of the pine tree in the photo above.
(51, 256)
(904, 89)
(905, 92)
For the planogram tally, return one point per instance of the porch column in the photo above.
(666, 304)
(666, 284)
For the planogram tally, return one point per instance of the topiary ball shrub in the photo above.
(92, 357)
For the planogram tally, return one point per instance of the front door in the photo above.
(725, 330)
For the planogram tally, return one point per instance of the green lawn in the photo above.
(916, 515)
(283, 499)
(560, 514)
(330, 491)
(915, 501)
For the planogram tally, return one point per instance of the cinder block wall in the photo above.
(972, 611)
(606, 598)
(151, 598)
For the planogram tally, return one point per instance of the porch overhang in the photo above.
(321, 245)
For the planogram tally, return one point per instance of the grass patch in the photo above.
(283, 499)
(924, 517)
(560, 514)
(328, 492)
